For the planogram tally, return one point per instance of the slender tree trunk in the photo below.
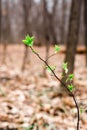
(0, 18)
(47, 49)
(25, 58)
(72, 41)
(85, 22)
(0, 21)
(26, 8)
(46, 27)
(49, 28)
(46, 31)
(25, 32)
(4, 53)
(52, 22)
(6, 31)
(63, 21)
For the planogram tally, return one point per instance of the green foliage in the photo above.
(65, 67)
(71, 76)
(71, 87)
(57, 48)
(81, 110)
(28, 41)
(51, 68)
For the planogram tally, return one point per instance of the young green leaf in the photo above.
(71, 76)
(57, 48)
(81, 110)
(70, 87)
(65, 67)
(51, 68)
(28, 41)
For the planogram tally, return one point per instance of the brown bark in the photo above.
(49, 26)
(72, 40)
(6, 30)
(52, 23)
(73, 33)
(26, 8)
(46, 27)
(85, 22)
(0, 18)
(46, 32)
(63, 21)
(25, 57)
(4, 53)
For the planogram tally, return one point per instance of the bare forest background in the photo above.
(47, 20)
(30, 95)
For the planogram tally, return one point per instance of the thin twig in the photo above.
(50, 56)
(65, 86)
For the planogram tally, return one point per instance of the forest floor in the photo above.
(30, 101)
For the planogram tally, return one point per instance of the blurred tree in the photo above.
(49, 27)
(26, 4)
(72, 39)
(73, 33)
(0, 18)
(52, 16)
(46, 27)
(63, 21)
(85, 22)
(46, 32)
(6, 29)
(57, 19)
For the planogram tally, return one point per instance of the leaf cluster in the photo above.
(28, 41)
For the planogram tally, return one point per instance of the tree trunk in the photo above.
(52, 23)
(73, 33)
(26, 8)
(63, 21)
(85, 22)
(6, 30)
(0, 19)
(4, 53)
(25, 58)
(46, 32)
(49, 28)
(72, 41)
(46, 27)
